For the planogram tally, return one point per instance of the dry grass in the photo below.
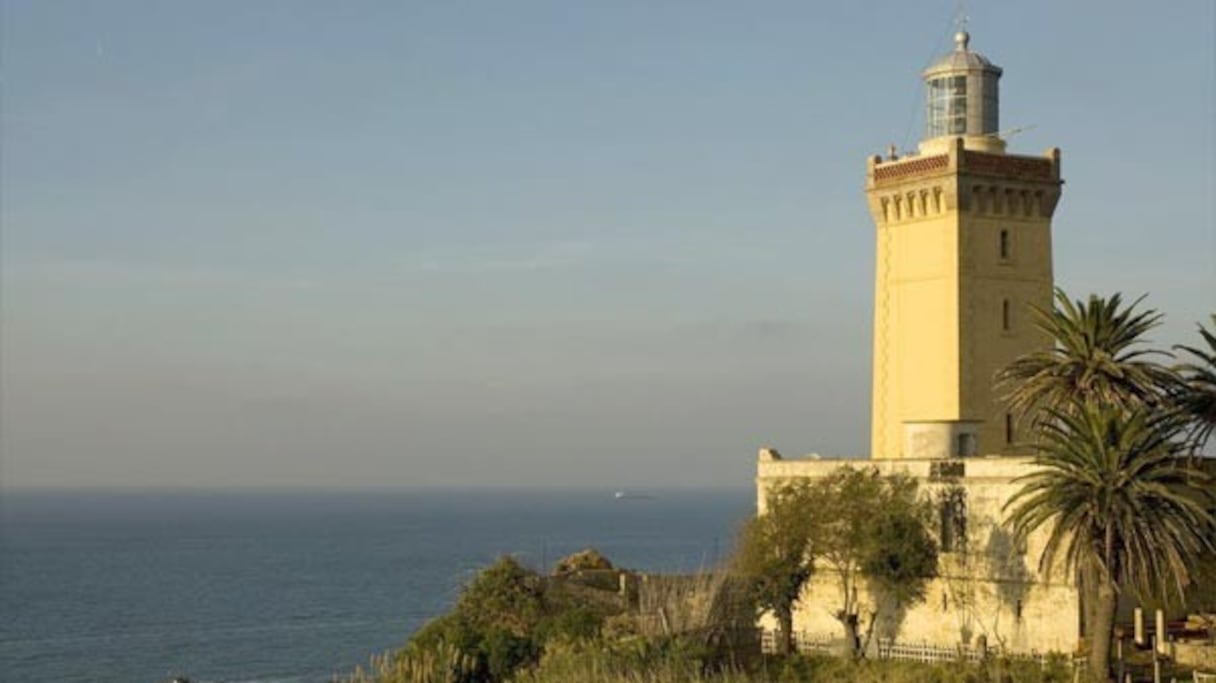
(443, 664)
(591, 663)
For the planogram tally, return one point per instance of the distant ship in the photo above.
(625, 495)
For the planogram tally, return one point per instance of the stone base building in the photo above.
(989, 592)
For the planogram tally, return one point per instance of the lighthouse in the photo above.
(963, 253)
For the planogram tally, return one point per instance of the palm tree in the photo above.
(1121, 507)
(1197, 396)
(1096, 356)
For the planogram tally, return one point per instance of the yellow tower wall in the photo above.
(943, 283)
(1024, 280)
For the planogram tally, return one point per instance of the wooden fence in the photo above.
(808, 643)
(804, 642)
(819, 644)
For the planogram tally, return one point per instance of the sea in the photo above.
(278, 587)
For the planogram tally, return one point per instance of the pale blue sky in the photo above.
(522, 243)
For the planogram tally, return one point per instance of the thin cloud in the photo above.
(100, 273)
(551, 256)
(573, 254)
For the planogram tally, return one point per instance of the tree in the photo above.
(901, 558)
(872, 529)
(773, 555)
(1197, 394)
(862, 526)
(1096, 356)
(1121, 506)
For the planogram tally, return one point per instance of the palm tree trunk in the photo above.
(1101, 631)
(1088, 587)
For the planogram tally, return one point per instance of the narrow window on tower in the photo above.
(1004, 245)
(1008, 428)
(1006, 316)
(965, 446)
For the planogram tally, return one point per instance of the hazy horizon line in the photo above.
(270, 489)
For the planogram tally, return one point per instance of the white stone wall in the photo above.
(992, 589)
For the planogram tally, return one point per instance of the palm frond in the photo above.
(1109, 473)
(1097, 355)
(1197, 394)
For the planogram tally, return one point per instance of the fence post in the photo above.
(1160, 642)
(1120, 666)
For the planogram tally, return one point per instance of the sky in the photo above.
(531, 243)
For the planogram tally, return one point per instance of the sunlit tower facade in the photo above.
(963, 252)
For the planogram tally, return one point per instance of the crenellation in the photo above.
(1014, 201)
(910, 203)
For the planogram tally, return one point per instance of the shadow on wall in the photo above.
(1003, 579)
(890, 613)
(1007, 562)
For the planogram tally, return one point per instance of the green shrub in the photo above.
(503, 595)
(503, 652)
(576, 623)
(504, 618)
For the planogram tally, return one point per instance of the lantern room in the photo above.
(962, 101)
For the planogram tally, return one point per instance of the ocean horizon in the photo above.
(228, 585)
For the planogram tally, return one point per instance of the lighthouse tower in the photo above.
(963, 252)
(963, 246)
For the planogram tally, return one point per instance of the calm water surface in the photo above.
(292, 586)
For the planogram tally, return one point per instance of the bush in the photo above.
(501, 624)
(503, 652)
(503, 595)
(577, 623)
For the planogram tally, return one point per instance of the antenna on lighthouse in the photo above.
(960, 17)
(1009, 132)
